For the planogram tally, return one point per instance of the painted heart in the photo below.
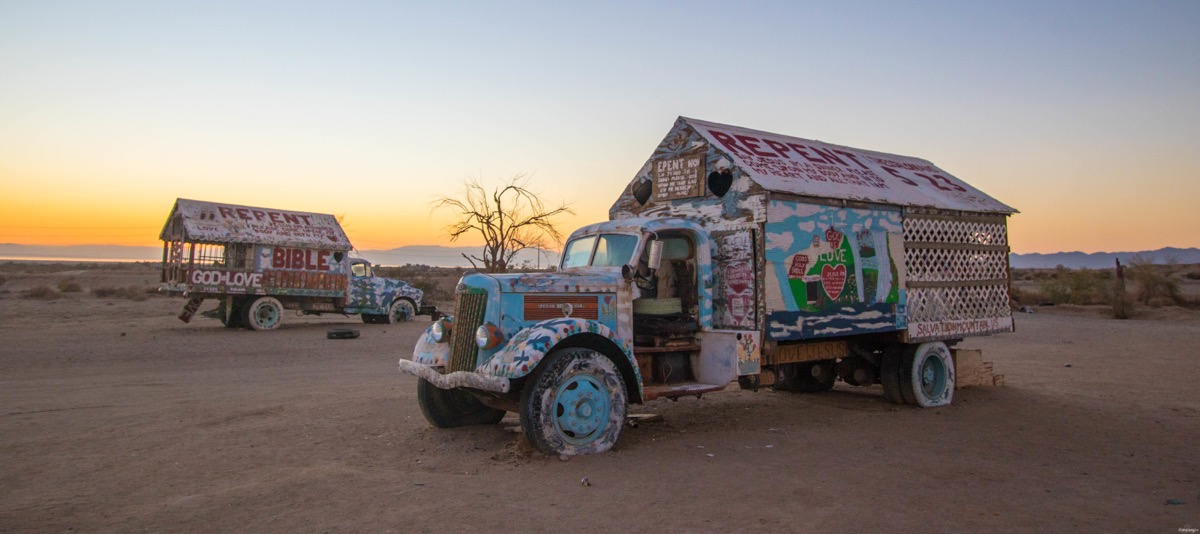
(833, 280)
(642, 190)
(719, 182)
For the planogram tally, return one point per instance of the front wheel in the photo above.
(449, 408)
(401, 310)
(574, 403)
(265, 313)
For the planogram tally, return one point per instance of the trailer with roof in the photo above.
(732, 255)
(259, 262)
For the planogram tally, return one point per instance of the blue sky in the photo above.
(1083, 115)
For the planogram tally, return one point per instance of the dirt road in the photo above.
(117, 417)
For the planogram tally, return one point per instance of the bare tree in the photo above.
(510, 218)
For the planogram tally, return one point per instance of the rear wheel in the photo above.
(265, 313)
(927, 375)
(806, 377)
(889, 374)
(449, 408)
(574, 403)
(235, 317)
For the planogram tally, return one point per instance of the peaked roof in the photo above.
(805, 167)
(210, 222)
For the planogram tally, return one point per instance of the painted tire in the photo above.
(450, 408)
(265, 313)
(402, 310)
(574, 403)
(927, 375)
(889, 374)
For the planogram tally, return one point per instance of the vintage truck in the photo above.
(259, 262)
(733, 255)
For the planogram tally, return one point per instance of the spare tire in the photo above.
(341, 333)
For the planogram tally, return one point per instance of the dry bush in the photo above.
(134, 293)
(1068, 286)
(1156, 285)
(41, 293)
(69, 286)
(3, 280)
(1122, 306)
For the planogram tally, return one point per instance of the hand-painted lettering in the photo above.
(226, 278)
(751, 143)
(257, 215)
(897, 174)
(300, 259)
(728, 142)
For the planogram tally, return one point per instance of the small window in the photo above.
(578, 252)
(361, 269)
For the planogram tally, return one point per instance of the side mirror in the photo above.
(627, 271)
(656, 248)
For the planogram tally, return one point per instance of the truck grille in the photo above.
(468, 315)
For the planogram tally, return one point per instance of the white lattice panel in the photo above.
(963, 232)
(955, 265)
(934, 304)
(957, 276)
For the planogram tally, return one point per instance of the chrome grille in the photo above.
(468, 315)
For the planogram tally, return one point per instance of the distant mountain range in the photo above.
(1101, 260)
(440, 256)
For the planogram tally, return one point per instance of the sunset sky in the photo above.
(1085, 115)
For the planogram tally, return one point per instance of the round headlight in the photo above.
(441, 330)
(488, 336)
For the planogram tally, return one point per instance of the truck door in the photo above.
(362, 287)
(734, 302)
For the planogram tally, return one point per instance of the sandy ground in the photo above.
(115, 416)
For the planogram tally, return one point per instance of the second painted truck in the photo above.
(734, 255)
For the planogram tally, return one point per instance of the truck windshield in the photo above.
(605, 250)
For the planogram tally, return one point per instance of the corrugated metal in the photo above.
(468, 315)
(209, 222)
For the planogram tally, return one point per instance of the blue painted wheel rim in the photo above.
(266, 315)
(581, 409)
(933, 377)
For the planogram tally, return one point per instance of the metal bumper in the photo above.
(457, 379)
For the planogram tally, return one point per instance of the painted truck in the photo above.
(259, 262)
(733, 255)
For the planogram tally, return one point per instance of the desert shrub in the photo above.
(1122, 306)
(3, 280)
(69, 286)
(1067, 286)
(41, 293)
(1156, 287)
(1192, 275)
(134, 293)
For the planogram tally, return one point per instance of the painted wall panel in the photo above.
(832, 271)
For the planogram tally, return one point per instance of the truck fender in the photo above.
(430, 352)
(529, 346)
